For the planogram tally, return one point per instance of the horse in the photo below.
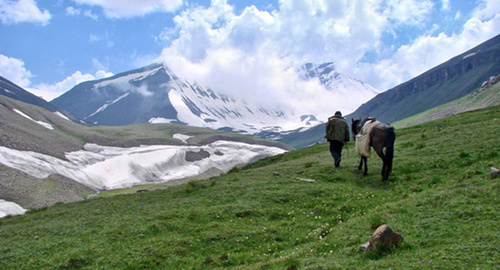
(380, 136)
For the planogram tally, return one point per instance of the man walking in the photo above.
(337, 134)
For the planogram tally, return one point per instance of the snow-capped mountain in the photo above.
(350, 91)
(154, 94)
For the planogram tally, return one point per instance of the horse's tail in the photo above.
(390, 138)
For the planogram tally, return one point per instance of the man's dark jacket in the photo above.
(337, 129)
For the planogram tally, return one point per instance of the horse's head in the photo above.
(355, 126)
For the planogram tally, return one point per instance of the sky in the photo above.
(236, 46)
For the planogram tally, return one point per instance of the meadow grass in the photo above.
(440, 197)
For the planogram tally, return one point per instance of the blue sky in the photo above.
(49, 46)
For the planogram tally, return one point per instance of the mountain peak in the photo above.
(312, 70)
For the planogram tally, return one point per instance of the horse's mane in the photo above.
(360, 123)
(367, 119)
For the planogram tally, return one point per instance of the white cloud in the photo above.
(408, 12)
(94, 38)
(13, 70)
(72, 11)
(251, 53)
(131, 8)
(446, 4)
(19, 11)
(49, 92)
(428, 51)
(487, 9)
(254, 54)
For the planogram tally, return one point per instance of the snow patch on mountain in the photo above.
(104, 167)
(41, 123)
(61, 115)
(108, 103)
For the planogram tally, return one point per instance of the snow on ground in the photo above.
(41, 123)
(10, 209)
(181, 137)
(161, 120)
(104, 167)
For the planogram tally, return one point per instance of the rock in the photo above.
(306, 180)
(192, 156)
(494, 172)
(383, 237)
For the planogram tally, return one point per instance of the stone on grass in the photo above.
(494, 172)
(383, 238)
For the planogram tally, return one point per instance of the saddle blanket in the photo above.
(363, 139)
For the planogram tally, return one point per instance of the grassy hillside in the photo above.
(440, 198)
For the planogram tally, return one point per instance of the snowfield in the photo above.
(104, 167)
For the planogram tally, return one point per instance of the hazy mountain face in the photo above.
(154, 94)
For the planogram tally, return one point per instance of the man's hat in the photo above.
(338, 113)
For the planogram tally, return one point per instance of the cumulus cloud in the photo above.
(254, 54)
(427, 51)
(407, 12)
(130, 8)
(19, 11)
(13, 70)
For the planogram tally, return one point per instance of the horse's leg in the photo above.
(365, 159)
(382, 156)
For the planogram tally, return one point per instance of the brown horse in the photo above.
(380, 136)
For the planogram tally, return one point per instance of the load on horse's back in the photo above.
(370, 132)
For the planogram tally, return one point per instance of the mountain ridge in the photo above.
(154, 94)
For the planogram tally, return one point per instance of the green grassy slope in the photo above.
(440, 198)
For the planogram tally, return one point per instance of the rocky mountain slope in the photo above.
(487, 95)
(446, 82)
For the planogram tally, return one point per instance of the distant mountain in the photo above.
(344, 89)
(10, 89)
(446, 82)
(154, 94)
